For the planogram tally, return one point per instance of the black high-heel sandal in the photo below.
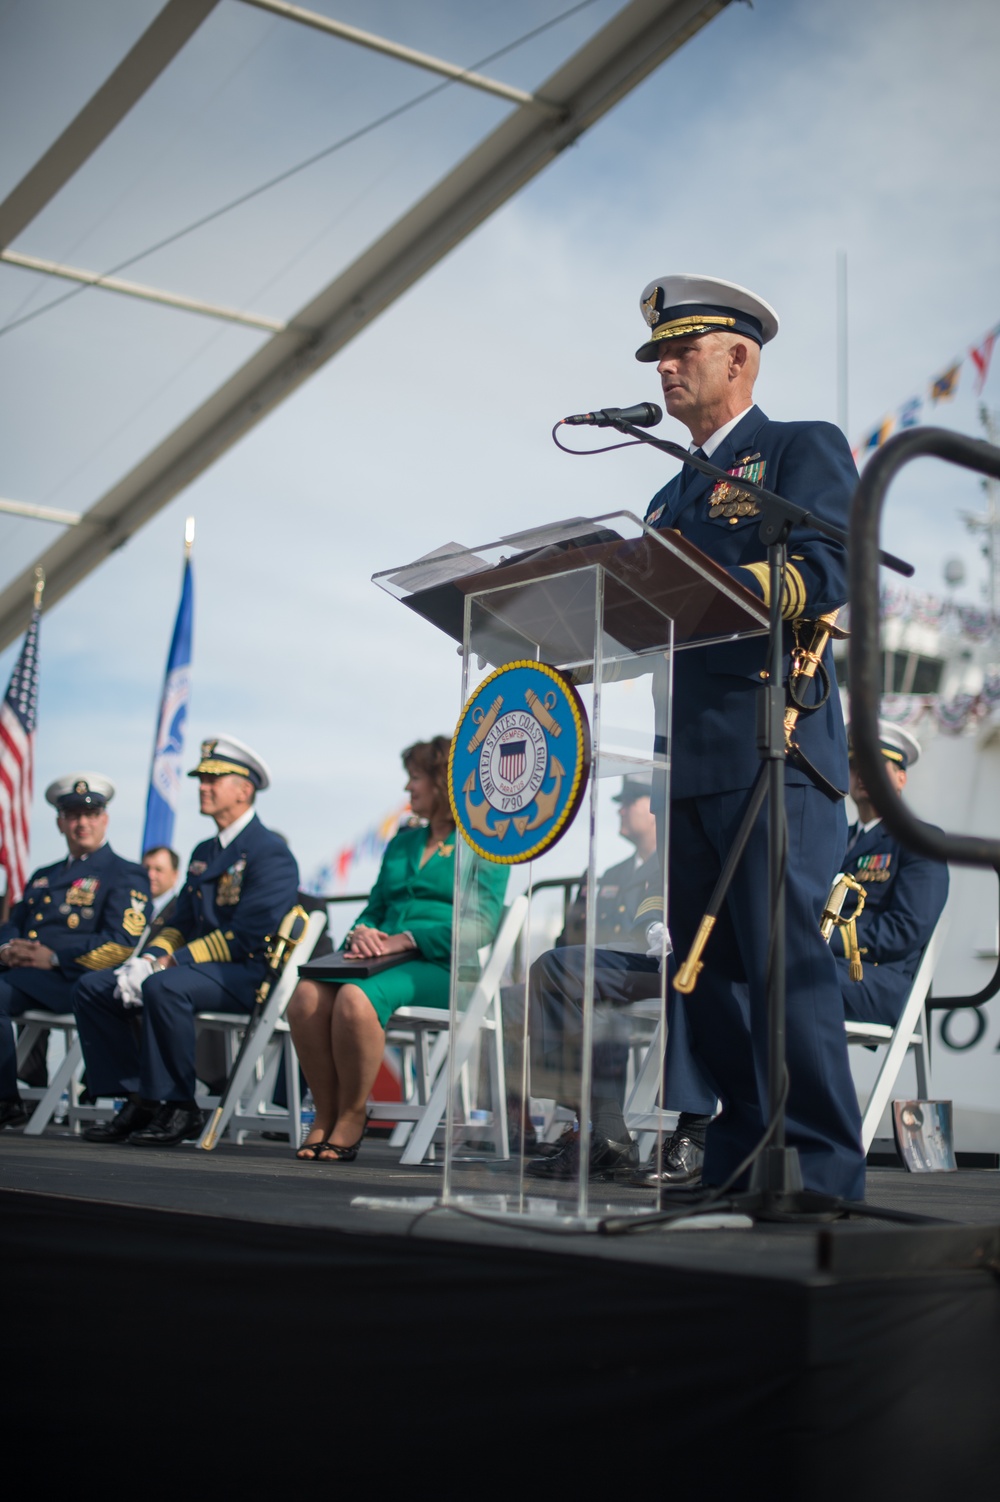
(308, 1152)
(341, 1154)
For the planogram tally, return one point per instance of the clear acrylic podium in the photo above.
(607, 601)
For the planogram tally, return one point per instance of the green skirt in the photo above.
(418, 983)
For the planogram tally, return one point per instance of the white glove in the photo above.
(658, 942)
(130, 978)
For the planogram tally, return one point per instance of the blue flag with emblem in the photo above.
(165, 775)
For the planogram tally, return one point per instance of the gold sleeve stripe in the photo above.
(793, 595)
(167, 940)
(212, 946)
(793, 599)
(760, 573)
(104, 957)
(649, 905)
(216, 942)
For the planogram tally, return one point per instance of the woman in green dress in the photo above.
(339, 1030)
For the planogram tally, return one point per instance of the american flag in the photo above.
(17, 745)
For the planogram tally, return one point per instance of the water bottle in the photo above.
(307, 1115)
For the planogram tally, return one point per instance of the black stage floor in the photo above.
(185, 1295)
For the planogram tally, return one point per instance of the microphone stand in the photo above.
(776, 1190)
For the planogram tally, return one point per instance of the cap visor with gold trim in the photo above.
(225, 754)
(896, 744)
(685, 305)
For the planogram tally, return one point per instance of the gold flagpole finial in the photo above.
(39, 586)
(188, 537)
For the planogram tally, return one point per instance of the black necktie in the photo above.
(690, 473)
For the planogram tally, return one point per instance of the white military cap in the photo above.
(224, 753)
(686, 304)
(79, 790)
(896, 744)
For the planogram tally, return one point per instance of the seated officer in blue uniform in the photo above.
(905, 894)
(705, 337)
(210, 957)
(629, 900)
(83, 914)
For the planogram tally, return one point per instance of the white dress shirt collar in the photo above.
(71, 858)
(227, 836)
(710, 445)
(164, 900)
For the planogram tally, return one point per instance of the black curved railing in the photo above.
(863, 647)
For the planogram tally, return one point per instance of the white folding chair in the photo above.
(247, 1106)
(65, 1080)
(910, 1032)
(247, 1110)
(643, 1114)
(481, 1023)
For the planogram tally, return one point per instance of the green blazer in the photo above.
(409, 898)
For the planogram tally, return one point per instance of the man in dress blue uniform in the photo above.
(905, 894)
(629, 898)
(83, 914)
(211, 957)
(629, 902)
(705, 336)
(622, 889)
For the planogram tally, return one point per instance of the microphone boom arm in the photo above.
(780, 514)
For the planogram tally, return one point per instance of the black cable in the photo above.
(619, 1225)
(583, 453)
(290, 172)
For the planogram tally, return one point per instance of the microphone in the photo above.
(643, 415)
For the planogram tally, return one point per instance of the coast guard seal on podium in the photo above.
(519, 762)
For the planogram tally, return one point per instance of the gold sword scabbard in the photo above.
(833, 917)
(212, 1135)
(687, 976)
(806, 659)
(834, 906)
(292, 927)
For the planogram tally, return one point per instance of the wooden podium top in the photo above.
(648, 582)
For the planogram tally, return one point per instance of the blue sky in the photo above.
(778, 136)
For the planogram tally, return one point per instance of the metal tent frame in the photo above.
(542, 124)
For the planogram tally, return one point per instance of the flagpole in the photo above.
(842, 341)
(168, 744)
(18, 715)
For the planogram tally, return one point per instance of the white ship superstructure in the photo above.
(941, 676)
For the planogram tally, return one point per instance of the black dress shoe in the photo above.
(605, 1157)
(173, 1123)
(679, 1166)
(13, 1113)
(131, 1118)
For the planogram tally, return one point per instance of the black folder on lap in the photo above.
(339, 967)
